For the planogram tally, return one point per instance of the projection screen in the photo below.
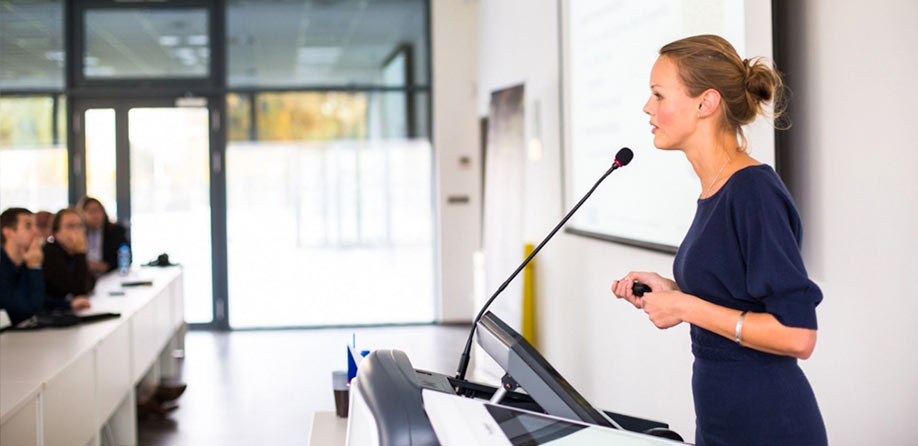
(607, 50)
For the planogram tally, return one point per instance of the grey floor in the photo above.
(261, 387)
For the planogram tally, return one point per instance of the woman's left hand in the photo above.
(664, 307)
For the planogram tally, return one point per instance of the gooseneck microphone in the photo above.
(622, 158)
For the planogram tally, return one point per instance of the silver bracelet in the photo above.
(739, 328)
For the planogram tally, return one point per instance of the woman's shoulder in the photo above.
(756, 179)
(53, 250)
(755, 172)
(114, 229)
(51, 245)
(759, 189)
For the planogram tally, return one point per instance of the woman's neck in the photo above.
(712, 159)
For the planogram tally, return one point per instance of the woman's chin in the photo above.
(662, 145)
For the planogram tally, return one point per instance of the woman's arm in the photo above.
(760, 331)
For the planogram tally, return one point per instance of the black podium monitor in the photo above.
(533, 373)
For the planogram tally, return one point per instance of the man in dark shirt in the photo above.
(22, 284)
(66, 271)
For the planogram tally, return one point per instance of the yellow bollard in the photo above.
(528, 325)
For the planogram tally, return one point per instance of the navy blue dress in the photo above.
(743, 252)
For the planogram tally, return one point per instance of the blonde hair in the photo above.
(745, 85)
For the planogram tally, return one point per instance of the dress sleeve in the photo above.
(769, 233)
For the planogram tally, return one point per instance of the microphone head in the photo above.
(624, 156)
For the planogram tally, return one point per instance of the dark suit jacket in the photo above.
(22, 289)
(113, 236)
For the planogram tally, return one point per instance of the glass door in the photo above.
(170, 196)
(149, 163)
(100, 157)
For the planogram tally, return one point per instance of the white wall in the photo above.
(851, 165)
(454, 46)
(855, 95)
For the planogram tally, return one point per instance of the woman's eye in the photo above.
(658, 96)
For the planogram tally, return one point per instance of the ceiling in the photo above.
(281, 43)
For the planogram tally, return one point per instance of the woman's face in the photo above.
(71, 228)
(93, 215)
(673, 113)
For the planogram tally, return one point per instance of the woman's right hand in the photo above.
(80, 303)
(97, 267)
(78, 243)
(622, 288)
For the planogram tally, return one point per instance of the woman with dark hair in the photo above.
(103, 237)
(67, 277)
(739, 276)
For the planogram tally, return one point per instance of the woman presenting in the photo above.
(739, 276)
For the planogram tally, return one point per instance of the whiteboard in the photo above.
(607, 50)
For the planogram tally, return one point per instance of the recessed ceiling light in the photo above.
(318, 55)
(183, 52)
(100, 71)
(55, 55)
(197, 39)
(168, 40)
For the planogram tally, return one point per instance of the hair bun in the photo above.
(760, 81)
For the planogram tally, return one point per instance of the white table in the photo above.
(60, 386)
(328, 429)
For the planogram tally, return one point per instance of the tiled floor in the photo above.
(261, 387)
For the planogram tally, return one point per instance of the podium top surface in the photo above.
(459, 421)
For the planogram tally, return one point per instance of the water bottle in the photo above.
(124, 259)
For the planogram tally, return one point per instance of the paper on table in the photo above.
(98, 307)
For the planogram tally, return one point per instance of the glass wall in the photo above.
(329, 187)
(174, 43)
(33, 154)
(317, 42)
(33, 144)
(327, 167)
(329, 214)
(31, 45)
(170, 197)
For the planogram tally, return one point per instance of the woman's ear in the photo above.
(709, 103)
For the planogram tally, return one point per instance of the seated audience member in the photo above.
(43, 223)
(104, 237)
(66, 271)
(22, 285)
